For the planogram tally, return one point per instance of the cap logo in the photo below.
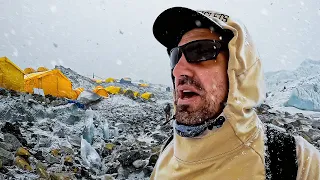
(221, 17)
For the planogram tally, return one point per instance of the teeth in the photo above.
(186, 91)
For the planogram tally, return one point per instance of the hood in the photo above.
(246, 81)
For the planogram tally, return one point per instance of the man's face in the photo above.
(200, 88)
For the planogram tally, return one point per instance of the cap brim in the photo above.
(172, 23)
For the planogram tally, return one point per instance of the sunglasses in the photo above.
(197, 51)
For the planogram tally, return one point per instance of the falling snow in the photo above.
(264, 12)
(119, 62)
(13, 32)
(53, 9)
(53, 63)
(15, 52)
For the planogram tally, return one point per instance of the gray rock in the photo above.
(6, 157)
(59, 176)
(288, 115)
(316, 124)
(50, 159)
(123, 126)
(61, 133)
(277, 123)
(7, 146)
(127, 158)
(314, 134)
(75, 140)
(73, 119)
(304, 128)
(153, 159)
(11, 139)
(304, 121)
(44, 141)
(139, 163)
(159, 137)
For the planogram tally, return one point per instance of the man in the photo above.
(218, 81)
(167, 111)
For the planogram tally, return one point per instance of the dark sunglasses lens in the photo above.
(175, 55)
(201, 51)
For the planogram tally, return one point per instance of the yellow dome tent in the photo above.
(42, 69)
(136, 94)
(147, 95)
(144, 85)
(78, 91)
(98, 81)
(101, 91)
(29, 70)
(11, 76)
(113, 89)
(52, 82)
(110, 80)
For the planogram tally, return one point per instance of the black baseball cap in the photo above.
(174, 22)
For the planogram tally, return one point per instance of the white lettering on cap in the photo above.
(212, 15)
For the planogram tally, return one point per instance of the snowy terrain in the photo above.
(115, 138)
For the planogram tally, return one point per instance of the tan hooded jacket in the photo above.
(236, 150)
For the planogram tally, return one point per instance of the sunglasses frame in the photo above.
(220, 45)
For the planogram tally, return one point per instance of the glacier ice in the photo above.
(88, 131)
(89, 155)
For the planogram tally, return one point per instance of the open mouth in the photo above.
(186, 94)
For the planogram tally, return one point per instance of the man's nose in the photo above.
(182, 68)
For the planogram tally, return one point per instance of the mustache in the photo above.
(186, 80)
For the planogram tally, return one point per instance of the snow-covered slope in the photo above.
(297, 88)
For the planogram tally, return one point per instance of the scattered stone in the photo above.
(62, 176)
(68, 160)
(153, 159)
(38, 156)
(159, 137)
(6, 157)
(127, 158)
(11, 139)
(108, 177)
(139, 163)
(51, 159)
(22, 163)
(6, 146)
(42, 171)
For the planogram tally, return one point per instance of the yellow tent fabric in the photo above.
(113, 89)
(78, 91)
(147, 95)
(110, 80)
(98, 81)
(52, 82)
(42, 69)
(136, 94)
(101, 91)
(144, 85)
(11, 76)
(29, 70)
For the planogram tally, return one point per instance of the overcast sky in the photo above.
(113, 38)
